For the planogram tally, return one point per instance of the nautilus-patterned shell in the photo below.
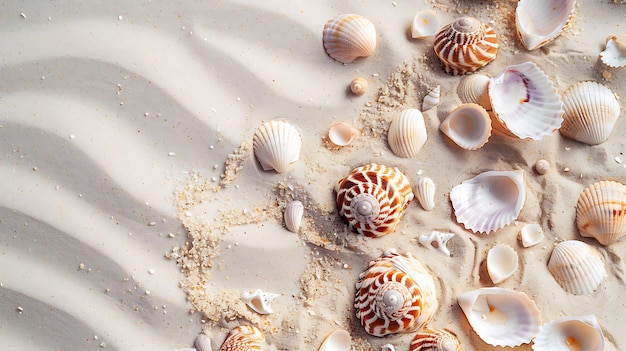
(276, 144)
(601, 211)
(541, 21)
(436, 339)
(468, 126)
(407, 133)
(396, 294)
(474, 88)
(614, 55)
(570, 333)
(243, 338)
(373, 198)
(465, 45)
(346, 37)
(577, 267)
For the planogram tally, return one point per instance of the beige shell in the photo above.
(614, 55)
(465, 45)
(276, 144)
(541, 21)
(601, 212)
(202, 343)
(570, 333)
(342, 133)
(577, 267)
(349, 36)
(542, 166)
(358, 86)
(425, 193)
(293, 215)
(425, 24)
(407, 133)
(531, 234)
(243, 338)
(501, 262)
(474, 88)
(436, 241)
(468, 126)
(432, 98)
(435, 339)
(337, 340)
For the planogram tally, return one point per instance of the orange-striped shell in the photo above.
(465, 45)
(435, 340)
(396, 294)
(346, 37)
(373, 198)
(601, 211)
(243, 338)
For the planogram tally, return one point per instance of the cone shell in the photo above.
(474, 88)
(426, 193)
(614, 55)
(468, 126)
(435, 340)
(570, 333)
(407, 133)
(373, 198)
(501, 262)
(465, 45)
(341, 133)
(243, 338)
(347, 37)
(541, 21)
(425, 24)
(338, 340)
(276, 144)
(396, 294)
(601, 212)
(293, 215)
(432, 98)
(577, 267)
(591, 111)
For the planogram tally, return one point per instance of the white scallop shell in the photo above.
(570, 333)
(474, 88)
(358, 86)
(577, 267)
(468, 126)
(259, 301)
(293, 215)
(202, 343)
(614, 55)
(525, 101)
(338, 340)
(436, 241)
(425, 193)
(243, 338)
(432, 98)
(407, 133)
(276, 144)
(531, 234)
(347, 37)
(490, 200)
(501, 317)
(601, 212)
(425, 24)
(501, 262)
(342, 133)
(541, 21)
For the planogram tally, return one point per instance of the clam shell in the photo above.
(338, 340)
(259, 301)
(577, 267)
(276, 144)
(358, 86)
(614, 55)
(293, 215)
(501, 317)
(436, 241)
(425, 24)
(341, 133)
(346, 37)
(373, 198)
(202, 343)
(432, 98)
(468, 126)
(407, 133)
(570, 333)
(243, 338)
(474, 88)
(525, 101)
(490, 200)
(425, 193)
(531, 234)
(396, 294)
(591, 111)
(541, 21)
(465, 45)
(435, 340)
(601, 212)
(501, 262)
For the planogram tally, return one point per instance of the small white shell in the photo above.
(614, 55)
(431, 99)
(407, 133)
(501, 262)
(347, 37)
(425, 24)
(358, 86)
(577, 267)
(570, 333)
(474, 88)
(531, 234)
(276, 144)
(338, 340)
(293, 215)
(541, 21)
(259, 301)
(601, 212)
(425, 193)
(436, 241)
(388, 347)
(468, 126)
(202, 343)
(342, 133)
(542, 166)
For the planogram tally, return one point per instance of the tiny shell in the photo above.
(276, 144)
(436, 241)
(202, 343)
(431, 99)
(342, 133)
(474, 88)
(541, 21)
(338, 340)
(388, 347)
(347, 37)
(407, 133)
(243, 338)
(577, 267)
(531, 234)
(425, 24)
(293, 215)
(542, 166)
(501, 262)
(259, 301)
(614, 55)
(601, 212)
(468, 126)
(429, 339)
(425, 193)
(570, 333)
(358, 86)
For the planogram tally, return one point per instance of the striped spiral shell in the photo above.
(396, 294)
(243, 338)
(373, 198)
(435, 340)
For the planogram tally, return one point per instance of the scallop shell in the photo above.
(276, 144)
(577, 267)
(342, 133)
(474, 88)
(468, 126)
(358, 86)
(259, 301)
(407, 133)
(432, 98)
(435, 340)
(501, 317)
(501, 262)
(614, 55)
(436, 241)
(202, 343)
(243, 338)
(338, 340)
(601, 212)
(426, 193)
(531, 234)
(347, 37)
(373, 198)
(570, 333)
(293, 215)
(591, 111)
(490, 200)
(525, 101)
(465, 45)
(541, 21)
(425, 24)
(396, 294)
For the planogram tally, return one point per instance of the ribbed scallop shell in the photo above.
(337, 340)
(465, 45)
(396, 294)
(474, 88)
(591, 111)
(435, 340)
(468, 126)
(601, 212)
(614, 55)
(570, 333)
(293, 215)
(577, 267)
(501, 262)
(373, 198)
(432, 98)
(425, 24)
(347, 37)
(540, 21)
(407, 133)
(426, 193)
(525, 101)
(489, 201)
(243, 338)
(276, 144)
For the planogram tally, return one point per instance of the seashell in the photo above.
(276, 144)
(542, 166)
(293, 215)
(388, 347)
(601, 211)
(501, 317)
(591, 111)
(425, 193)
(358, 86)
(243, 338)
(429, 339)
(373, 198)
(501, 262)
(202, 343)
(541, 21)
(614, 55)
(342, 133)
(436, 241)
(531, 234)
(465, 45)
(570, 333)
(489, 201)
(425, 24)
(474, 88)
(338, 340)
(431, 99)
(259, 301)
(347, 37)
(396, 294)
(407, 133)
(468, 126)
(525, 101)
(577, 267)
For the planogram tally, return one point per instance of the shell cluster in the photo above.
(468, 126)
(276, 144)
(601, 211)
(346, 37)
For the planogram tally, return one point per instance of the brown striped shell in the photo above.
(396, 294)
(601, 211)
(465, 45)
(243, 338)
(435, 340)
(373, 198)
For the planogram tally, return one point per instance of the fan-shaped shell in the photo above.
(435, 340)
(243, 338)
(349, 36)
(465, 45)
(432, 98)
(570, 333)
(276, 144)
(425, 24)
(293, 215)
(426, 193)
(501, 262)
(468, 126)
(338, 340)
(202, 343)
(407, 133)
(474, 88)
(373, 198)
(396, 294)
(540, 21)
(342, 133)
(591, 111)
(577, 267)
(490, 200)
(525, 101)
(601, 211)
(614, 55)
(531, 234)
(501, 317)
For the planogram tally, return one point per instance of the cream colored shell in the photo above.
(425, 193)
(407, 133)
(577, 267)
(358, 86)
(501, 262)
(259, 301)
(293, 215)
(436, 241)
(346, 37)
(474, 88)
(531, 234)
(614, 55)
(570, 333)
(601, 212)
(468, 126)
(276, 144)
(337, 340)
(425, 24)
(541, 21)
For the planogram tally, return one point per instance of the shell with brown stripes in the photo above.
(243, 338)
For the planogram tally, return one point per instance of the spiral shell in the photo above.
(293, 215)
(358, 86)
(468, 126)
(570, 333)
(346, 37)
(407, 133)
(614, 55)
(465, 45)
(474, 88)
(577, 267)
(431, 99)
(373, 198)
(396, 294)
(276, 144)
(601, 212)
(541, 21)
(243, 338)
(435, 340)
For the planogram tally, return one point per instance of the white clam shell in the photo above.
(425, 24)
(259, 301)
(293, 215)
(202, 343)
(425, 193)
(570, 333)
(436, 241)
(346, 37)
(531, 234)
(525, 101)
(501, 317)
(407, 133)
(541, 21)
(614, 55)
(577, 267)
(342, 133)
(601, 212)
(276, 144)
(474, 88)
(468, 126)
(432, 98)
(501, 262)
(490, 200)
(338, 340)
